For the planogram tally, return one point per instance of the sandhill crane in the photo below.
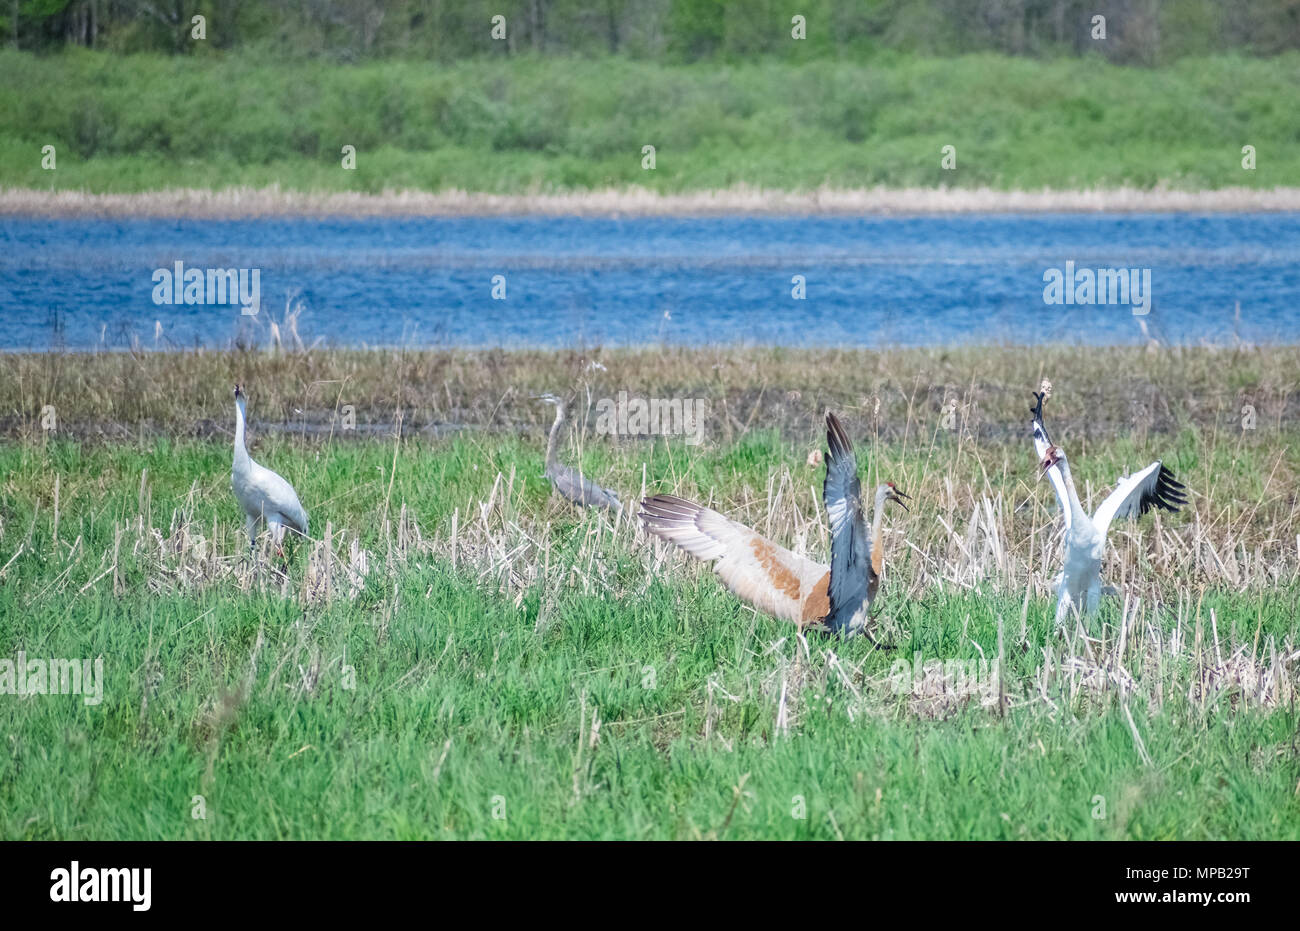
(263, 494)
(1079, 584)
(857, 555)
(774, 579)
(569, 482)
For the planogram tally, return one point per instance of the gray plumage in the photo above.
(850, 537)
(857, 551)
(568, 481)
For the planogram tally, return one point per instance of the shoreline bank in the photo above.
(254, 203)
(1161, 389)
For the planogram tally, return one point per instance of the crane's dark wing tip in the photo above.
(668, 508)
(837, 441)
(1170, 493)
(1037, 409)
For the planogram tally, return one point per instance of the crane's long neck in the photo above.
(241, 451)
(1077, 513)
(877, 521)
(552, 441)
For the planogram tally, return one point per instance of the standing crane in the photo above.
(770, 577)
(568, 481)
(1079, 584)
(264, 495)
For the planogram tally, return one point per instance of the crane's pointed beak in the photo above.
(1048, 461)
(898, 496)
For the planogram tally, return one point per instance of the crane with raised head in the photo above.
(1079, 585)
(264, 495)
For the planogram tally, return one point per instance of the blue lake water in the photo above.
(89, 283)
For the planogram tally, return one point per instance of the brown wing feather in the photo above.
(760, 572)
(818, 603)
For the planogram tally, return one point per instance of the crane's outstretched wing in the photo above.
(1041, 443)
(767, 576)
(581, 490)
(1155, 486)
(850, 538)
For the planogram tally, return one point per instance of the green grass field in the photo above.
(526, 125)
(457, 654)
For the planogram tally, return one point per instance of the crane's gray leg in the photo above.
(866, 629)
(1093, 598)
(250, 525)
(1063, 606)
